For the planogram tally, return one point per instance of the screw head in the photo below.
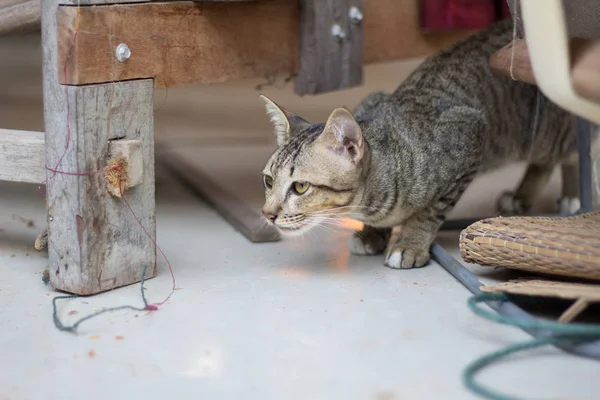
(123, 52)
(356, 16)
(337, 32)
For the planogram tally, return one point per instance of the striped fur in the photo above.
(423, 144)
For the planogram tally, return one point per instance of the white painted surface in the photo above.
(301, 320)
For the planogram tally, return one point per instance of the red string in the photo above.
(55, 171)
(153, 306)
(60, 160)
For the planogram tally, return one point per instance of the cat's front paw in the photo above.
(399, 257)
(508, 205)
(367, 243)
(568, 205)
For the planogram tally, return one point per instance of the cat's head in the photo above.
(316, 171)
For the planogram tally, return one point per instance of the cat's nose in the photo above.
(270, 217)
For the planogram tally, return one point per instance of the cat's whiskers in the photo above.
(330, 210)
(325, 228)
(263, 224)
(329, 222)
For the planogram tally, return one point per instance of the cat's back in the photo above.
(460, 70)
(460, 78)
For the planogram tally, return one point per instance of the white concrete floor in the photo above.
(272, 321)
(289, 320)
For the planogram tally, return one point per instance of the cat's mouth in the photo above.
(294, 231)
(293, 225)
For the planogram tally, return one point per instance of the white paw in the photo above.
(358, 247)
(508, 205)
(568, 205)
(406, 258)
(394, 259)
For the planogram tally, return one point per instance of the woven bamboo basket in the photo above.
(567, 246)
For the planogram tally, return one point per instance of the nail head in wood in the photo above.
(123, 52)
(337, 32)
(356, 16)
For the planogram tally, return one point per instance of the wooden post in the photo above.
(331, 45)
(95, 243)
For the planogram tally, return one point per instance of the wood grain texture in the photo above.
(328, 63)
(19, 16)
(245, 219)
(100, 2)
(189, 43)
(22, 157)
(178, 43)
(95, 243)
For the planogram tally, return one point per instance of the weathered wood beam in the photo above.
(188, 43)
(22, 16)
(331, 45)
(23, 159)
(236, 210)
(19, 16)
(95, 243)
(101, 2)
(22, 156)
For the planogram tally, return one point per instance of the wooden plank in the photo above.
(104, 2)
(189, 43)
(331, 46)
(22, 157)
(247, 220)
(178, 43)
(19, 16)
(95, 243)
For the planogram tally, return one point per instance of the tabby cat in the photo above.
(405, 158)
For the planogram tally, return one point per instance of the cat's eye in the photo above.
(301, 187)
(268, 181)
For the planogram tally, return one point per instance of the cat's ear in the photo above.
(344, 136)
(280, 120)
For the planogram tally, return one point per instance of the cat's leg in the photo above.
(533, 182)
(411, 250)
(370, 240)
(569, 202)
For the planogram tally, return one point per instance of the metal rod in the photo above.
(585, 164)
(471, 282)
(460, 224)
